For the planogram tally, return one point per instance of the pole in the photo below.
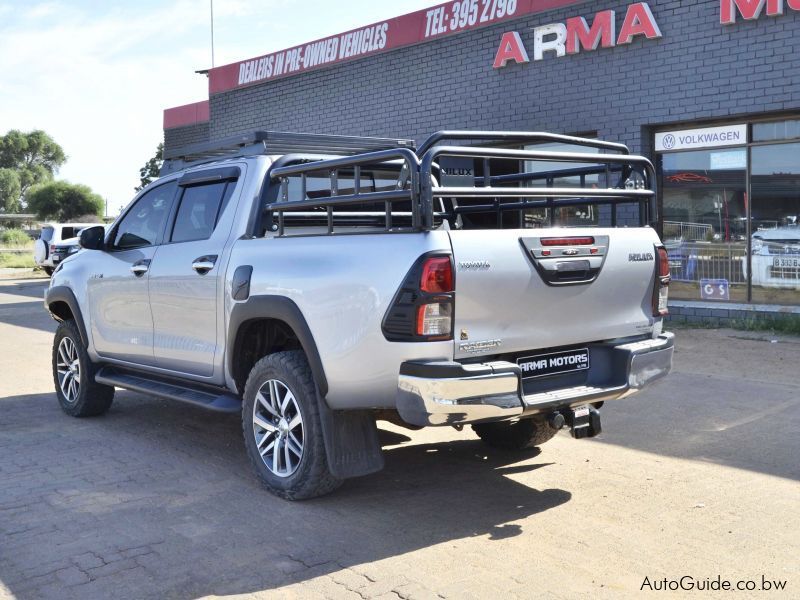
(211, 3)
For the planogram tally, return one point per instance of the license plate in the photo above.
(554, 363)
(786, 263)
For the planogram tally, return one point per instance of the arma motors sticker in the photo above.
(555, 363)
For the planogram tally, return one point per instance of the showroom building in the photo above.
(709, 90)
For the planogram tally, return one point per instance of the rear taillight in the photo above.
(568, 241)
(437, 276)
(435, 320)
(423, 308)
(661, 291)
(52, 248)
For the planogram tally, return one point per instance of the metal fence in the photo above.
(693, 261)
(678, 230)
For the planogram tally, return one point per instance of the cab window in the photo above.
(199, 210)
(145, 221)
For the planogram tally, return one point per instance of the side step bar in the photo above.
(224, 402)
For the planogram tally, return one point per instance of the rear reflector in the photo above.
(570, 241)
(437, 276)
(435, 320)
(661, 292)
(663, 262)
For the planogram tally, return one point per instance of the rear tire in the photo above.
(73, 375)
(282, 428)
(527, 433)
(48, 270)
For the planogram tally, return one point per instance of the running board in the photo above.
(227, 403)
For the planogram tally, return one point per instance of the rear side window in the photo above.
(47, 233)
(199, 210)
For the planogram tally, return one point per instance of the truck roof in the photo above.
(275, 143)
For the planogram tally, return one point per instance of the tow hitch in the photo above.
(583, 421)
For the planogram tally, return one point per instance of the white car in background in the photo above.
(776, 257)
(55, 243)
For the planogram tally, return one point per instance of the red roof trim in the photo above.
(188, 114)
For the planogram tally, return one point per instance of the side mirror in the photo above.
(93, 238)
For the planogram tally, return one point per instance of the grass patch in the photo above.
(15, 238)
(16, 261)
(790, 324)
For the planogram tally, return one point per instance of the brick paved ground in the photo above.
(155, 500)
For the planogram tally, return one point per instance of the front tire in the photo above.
(73, 375)
(527, 433)
(282, 428)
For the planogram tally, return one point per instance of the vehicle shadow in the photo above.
(27, 309)
(734, 422)
(168, 489)
(33, 288)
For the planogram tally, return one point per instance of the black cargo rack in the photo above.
(418, 179)
(275, 143)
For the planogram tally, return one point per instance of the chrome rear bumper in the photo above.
(449, 393)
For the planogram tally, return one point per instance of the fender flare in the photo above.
(283, 309)
(62, 293)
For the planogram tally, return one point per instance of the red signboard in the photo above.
(421, 26)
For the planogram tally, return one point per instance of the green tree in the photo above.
(10, 191)
(152, 168)
(34, 158)
(63, 201)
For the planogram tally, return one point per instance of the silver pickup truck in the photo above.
(314, 284)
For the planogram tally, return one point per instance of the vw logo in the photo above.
(669, 141)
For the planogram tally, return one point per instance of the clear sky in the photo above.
(97, 74)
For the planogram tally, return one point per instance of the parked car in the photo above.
(316, 284)
(776, 257)
(56, 241)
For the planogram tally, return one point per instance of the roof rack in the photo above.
(518, 137)
(275, 142)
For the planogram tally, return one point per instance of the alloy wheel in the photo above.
(68, 366)
(278, 428)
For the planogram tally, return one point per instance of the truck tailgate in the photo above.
(517, 292)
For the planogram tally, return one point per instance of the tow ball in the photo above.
(583, 421)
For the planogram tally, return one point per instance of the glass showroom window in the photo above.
(775, 188)
(705, 220)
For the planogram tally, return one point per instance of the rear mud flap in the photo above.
(351, 441)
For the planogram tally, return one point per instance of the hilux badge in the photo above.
(640, 257)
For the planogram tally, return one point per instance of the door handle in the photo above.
(140, 268)
(204, 264)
